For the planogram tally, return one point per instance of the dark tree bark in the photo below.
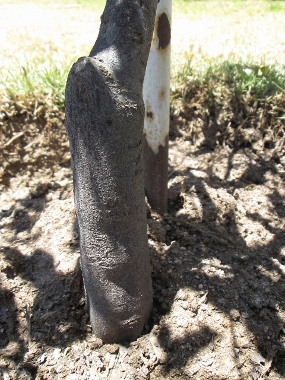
(104, 121)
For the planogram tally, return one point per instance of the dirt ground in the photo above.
(218, 262)
(218, 258)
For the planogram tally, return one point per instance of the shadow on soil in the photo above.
(252, 290)
(58, 315)
(254, 285)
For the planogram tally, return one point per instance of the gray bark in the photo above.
(104, 121)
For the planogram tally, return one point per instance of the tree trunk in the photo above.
(104, 121)
(156, 94)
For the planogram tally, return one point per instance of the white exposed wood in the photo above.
(156, 89)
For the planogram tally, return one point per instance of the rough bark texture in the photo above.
(104, 121)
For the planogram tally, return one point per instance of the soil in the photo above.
(218, 262)
(218, 256)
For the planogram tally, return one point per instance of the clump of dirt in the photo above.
(32, 137)
(214, 111)
(218, 256)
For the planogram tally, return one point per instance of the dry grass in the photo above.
(241, 30)
(45, 34)
(237, 31)
(40, 42)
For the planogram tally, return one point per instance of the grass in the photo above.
(258, 82)
(40, 43)
(95, 5)
(225, 8)
(46, 78)
(42, 68)
(36, 78)
(230, 103)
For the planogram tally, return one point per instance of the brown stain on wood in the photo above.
(163, 31)
(162, 93)
(149, 115)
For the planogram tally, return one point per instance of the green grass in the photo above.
(259, 82)
(36, 78)
(40, 76)
(256, 82)
(277, 6)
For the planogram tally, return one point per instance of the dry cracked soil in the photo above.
(218, 264)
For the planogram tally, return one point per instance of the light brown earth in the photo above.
(218, 256)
